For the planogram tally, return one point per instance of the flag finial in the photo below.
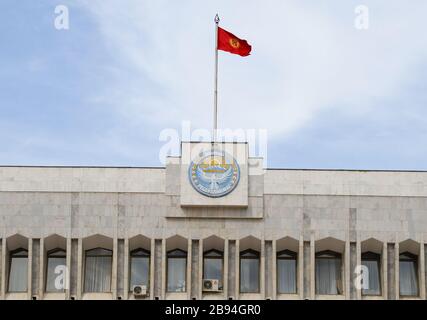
(217, 18)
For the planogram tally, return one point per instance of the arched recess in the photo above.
(55, 273)
(140, 264)
(97, 271)
(213, 242)
(178, 278)
(97, 241)
(250, 242)
(17, 268)
(375, 267)
(331, 244)
(372, 245)
(214, 259)
(287, 266)
(251, 269)
(330, 267)
(410, 269)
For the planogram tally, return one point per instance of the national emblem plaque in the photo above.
(214, 173)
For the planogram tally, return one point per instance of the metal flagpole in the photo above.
(215, 115)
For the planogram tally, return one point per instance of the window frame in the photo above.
(48, 253)
(334, 255)
(291, 255)
(184, 255)
(132, 255)
(376, 257)
(220, 257)
(415, 259)
(11, 255)
(256, 256)
(99, 255)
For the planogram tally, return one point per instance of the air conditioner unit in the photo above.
(211, 285)
(139, 290)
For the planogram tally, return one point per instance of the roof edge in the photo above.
(160, 168)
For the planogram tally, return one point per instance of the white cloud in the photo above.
(306, 58)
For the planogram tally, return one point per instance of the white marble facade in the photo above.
(121, 209)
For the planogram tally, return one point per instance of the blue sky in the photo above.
(100, 93)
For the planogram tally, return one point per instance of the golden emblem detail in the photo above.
(234, 43)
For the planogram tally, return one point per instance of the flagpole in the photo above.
(215, 115)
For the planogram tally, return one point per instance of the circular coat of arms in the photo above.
(214, 173)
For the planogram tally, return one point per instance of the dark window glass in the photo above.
(176, 270)
(328, 273)
(249, 271)
(98, 265)
(213, 265)
(139, 267)
(55, 275)
(372, 261)
(18, 271)
(287, 271)
(408, 274)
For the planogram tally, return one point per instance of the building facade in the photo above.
(211, 224)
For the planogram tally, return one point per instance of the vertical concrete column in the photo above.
(396, 270)
(114, 271)
(41, 269)
(68, 274)
(237, 270)
(422, 276)
(358, 263)
(274, 269)
(152, 265)
(79, 268)
(347, 269)
(384, 264)
(30, 268)
(189, 268)
(163, 268)
(312, 267)
(200, 274)
(300, 273)
(262, 269)
(225, 276)
(3, 268)
(126, 270)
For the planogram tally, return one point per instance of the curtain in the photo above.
(98, 274)
(139, 271)
(286, 269)
(328, 276)
(249, 275)
(213, 269)
(374, 278)
(18, 275)
(176, 274)
(52, 263)
(408, 283)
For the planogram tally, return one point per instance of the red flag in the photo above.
(230, 43)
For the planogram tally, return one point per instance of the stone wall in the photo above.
(342, 210)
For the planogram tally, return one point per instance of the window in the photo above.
(249, 271)
(372, 262)
(139, 267)
(55, 258)
(212, 265)
(177, 270)
(287, 271)
(18, 270)
(98, 270)
(328, 273)
(408, 274)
